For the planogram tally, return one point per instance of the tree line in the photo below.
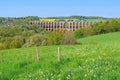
(112, 25)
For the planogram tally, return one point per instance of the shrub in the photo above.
(55, 37)
(88, 31)
(15, 44)
(7, 41)
(58, 37)
(36, 40)
(78, 33)
(2, 46)
(68, 38)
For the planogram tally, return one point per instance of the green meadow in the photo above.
(94, 58)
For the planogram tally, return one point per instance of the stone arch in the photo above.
(66, 25)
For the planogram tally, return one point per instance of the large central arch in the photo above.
(66, 25)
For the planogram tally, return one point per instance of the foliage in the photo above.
(0, 20)
(66, 25)
(108, 26)
(36, 40)
(78, 33)
(58, 37)
(112, 25)
(2, 46)
(88, 31)
(15, 44)
(12, 27)
(55, 37)
(68, 38)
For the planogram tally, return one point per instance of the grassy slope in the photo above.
(97, 60)
(103, 38)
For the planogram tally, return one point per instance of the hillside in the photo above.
(102, 38)
(75, 18)
(98, 61)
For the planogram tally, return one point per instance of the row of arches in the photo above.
(71, 26)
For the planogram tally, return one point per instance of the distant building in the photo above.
(66, 25)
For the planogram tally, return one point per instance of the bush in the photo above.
(7, 41)
(12, 42)
(88, 31)
(78, 33)
(55, 37)
(36, 40)
(107, 26)
(2, 46)
(15, 44)
(68, 38)
(58, 37)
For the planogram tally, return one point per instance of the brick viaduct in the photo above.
(66, 25)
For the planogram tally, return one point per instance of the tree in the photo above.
(68, 38)
(78, 33)
(36, 40)
(66, 25)
(55, 37)
(0, 20)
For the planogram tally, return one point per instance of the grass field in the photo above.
(98, 58)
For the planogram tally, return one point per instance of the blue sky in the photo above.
(46, 8)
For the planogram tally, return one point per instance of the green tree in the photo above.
(0, 20)
(36, 40)
(55, 37)
(66, 25)
(68, 38)
(78, 33)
